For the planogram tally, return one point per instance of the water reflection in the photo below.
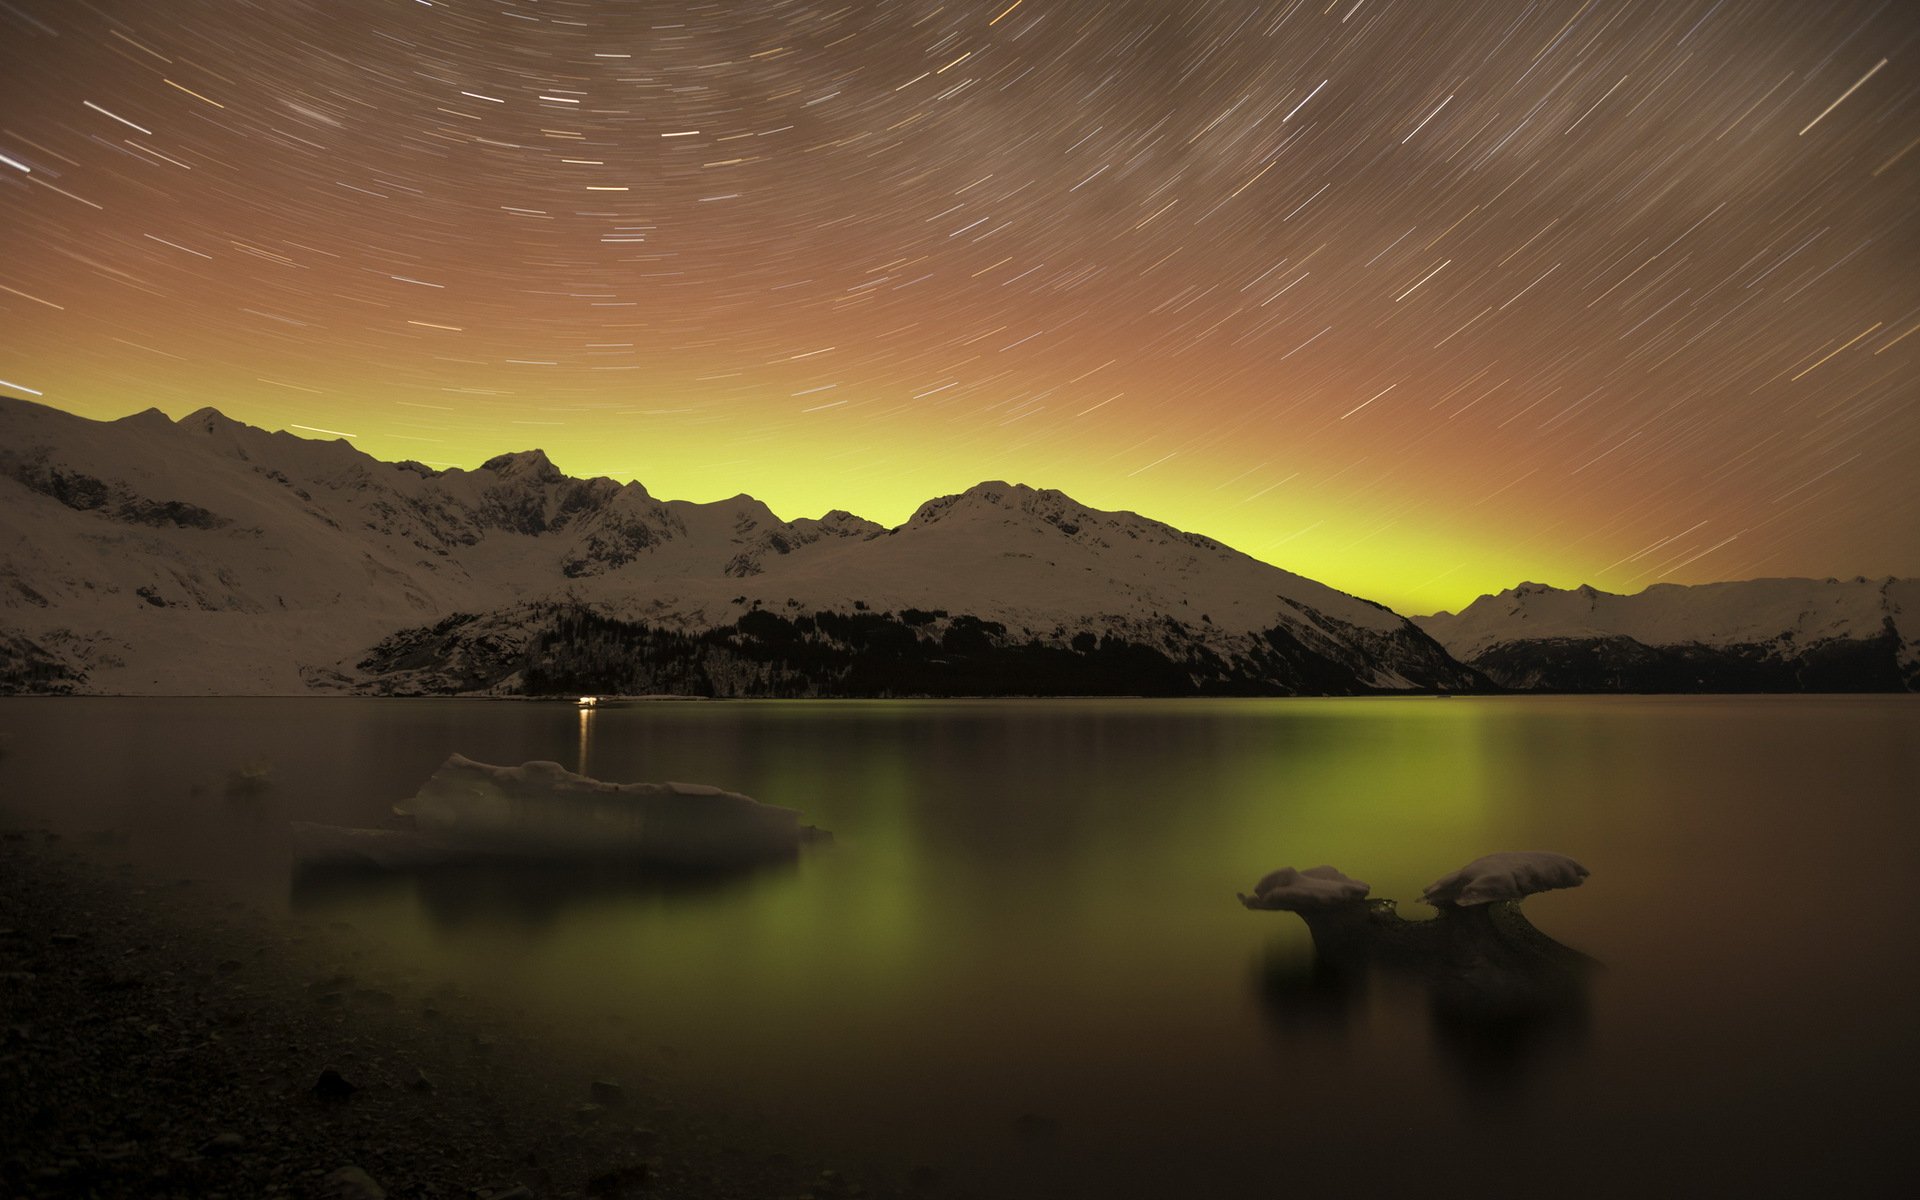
(529, 895)
(1503, 1000)
(1026, 914)
(1308, 995)
(1499, 1034)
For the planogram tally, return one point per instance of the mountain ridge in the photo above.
(207, 555)
(1773, 634)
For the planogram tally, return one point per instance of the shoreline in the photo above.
(607, 700)
(160, 1039)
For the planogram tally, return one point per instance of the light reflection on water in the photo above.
(1021, 961)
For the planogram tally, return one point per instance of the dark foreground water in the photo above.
(1021, 965)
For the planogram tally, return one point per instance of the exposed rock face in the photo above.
(84, 493)
(546, 649)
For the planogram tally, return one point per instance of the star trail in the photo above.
(1419, 299)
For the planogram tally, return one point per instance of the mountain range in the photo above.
(1759, 635)
(206, 556)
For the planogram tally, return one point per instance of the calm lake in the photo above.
(1021, 963)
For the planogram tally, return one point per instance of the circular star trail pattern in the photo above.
(1419, 299)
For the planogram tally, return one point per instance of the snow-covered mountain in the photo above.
(149, 556)
(1761, 635)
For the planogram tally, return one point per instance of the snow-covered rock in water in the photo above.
(1311, 890)
(1486, 968)
(1507, 876)
(541, 810)
(1484, 960)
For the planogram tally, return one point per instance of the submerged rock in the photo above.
(606, 1092)
(618, 1182)
(333, 1086)
(352, 1183)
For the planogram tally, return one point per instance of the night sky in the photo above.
(1417, 298)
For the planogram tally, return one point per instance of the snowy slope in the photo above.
(1761, 634)
(1037, 559)
(207, 556)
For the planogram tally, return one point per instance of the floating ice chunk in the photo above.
(1315, 888)
(541, 810)
(1507, 876)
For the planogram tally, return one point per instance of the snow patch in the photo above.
(1311, 890)
(1506, 876)
(541, 810)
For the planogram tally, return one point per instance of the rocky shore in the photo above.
(163, 1041)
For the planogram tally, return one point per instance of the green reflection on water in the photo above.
(996, 867)
(1028, 906)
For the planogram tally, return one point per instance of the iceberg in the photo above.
(540, 811)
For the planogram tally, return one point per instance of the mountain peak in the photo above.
(1016, 495)
(150, 418)
(523, 464)
(206, 420)
(990, 494)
